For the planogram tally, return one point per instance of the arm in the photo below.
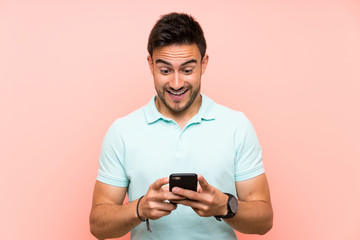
(255, 211)
(110, 219)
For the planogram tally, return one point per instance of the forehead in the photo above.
(177, 53)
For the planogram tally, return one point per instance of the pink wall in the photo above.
(69, 68)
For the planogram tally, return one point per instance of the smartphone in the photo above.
(183, 180)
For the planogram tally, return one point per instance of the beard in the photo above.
(177, 109)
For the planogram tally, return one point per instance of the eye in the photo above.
(165, 71)
(187, 70)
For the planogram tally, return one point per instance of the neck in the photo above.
(181, 118)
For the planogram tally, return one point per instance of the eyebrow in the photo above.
(167, 63)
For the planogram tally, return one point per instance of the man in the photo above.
(180, 130)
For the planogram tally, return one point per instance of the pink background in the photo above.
(68, 69)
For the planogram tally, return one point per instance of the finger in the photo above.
(152, 208)
(162, 195)
(170, 196)
(159, 183)
(167, 195)
(203, 183)
(173, 197)
(199, 189)
(190, 203)
(163, 206)
(186, 193)
(156, 214)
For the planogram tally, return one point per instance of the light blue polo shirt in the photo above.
(217, 142)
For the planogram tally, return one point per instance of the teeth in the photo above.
(177, 94)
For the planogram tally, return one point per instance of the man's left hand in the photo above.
(207, 201)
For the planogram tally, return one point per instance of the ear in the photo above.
(204, 63)
(151, 64)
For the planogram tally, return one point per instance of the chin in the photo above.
(178, 109)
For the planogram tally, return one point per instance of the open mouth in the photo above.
(177, 95)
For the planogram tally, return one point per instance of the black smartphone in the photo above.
(183, 180)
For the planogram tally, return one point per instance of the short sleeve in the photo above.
(248, 163)
(111, 162)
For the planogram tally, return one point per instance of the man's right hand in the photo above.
(153, 205)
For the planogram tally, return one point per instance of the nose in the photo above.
(176, 82)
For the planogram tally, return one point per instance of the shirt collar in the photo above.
(206, 111)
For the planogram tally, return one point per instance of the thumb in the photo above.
(203, 183)
(159, 183)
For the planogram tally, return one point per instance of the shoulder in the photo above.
(136, 115)
(130, 121)
(230, 116)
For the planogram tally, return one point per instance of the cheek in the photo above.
(159, 80)
(193, 79)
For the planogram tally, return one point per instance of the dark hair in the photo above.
(176, 28)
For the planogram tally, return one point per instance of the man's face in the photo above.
(177, 71)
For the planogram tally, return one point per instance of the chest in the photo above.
(150, 155)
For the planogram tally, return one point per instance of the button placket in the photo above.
(180, 148)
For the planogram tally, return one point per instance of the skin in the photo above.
(255, 215)
(177, 69)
